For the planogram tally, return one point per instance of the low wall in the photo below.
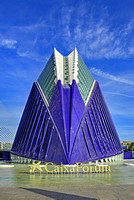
(5, 155)
(128, 155)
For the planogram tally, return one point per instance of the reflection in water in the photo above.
(19, 176)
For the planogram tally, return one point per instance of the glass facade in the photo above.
(47, 79)
(66, 70)
(85, 79)
(7, 129)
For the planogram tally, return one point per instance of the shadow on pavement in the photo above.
(57, 195)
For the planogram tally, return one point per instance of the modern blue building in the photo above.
(66, 119)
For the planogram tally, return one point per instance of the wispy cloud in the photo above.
(8, 43)
(110, 76)
(33, 27)
(98, 40)
(128, 28)
(119, 94)
(65, 21)
(95, 37)
(32, 55)
(123, 112)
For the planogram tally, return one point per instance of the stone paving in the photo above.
(119, 192)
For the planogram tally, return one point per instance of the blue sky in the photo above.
(101, 30)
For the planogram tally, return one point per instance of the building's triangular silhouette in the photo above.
(66, 119)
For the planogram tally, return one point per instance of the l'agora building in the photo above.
(66, 119)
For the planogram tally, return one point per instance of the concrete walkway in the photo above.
(122, 192)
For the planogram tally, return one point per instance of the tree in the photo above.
(130, 147)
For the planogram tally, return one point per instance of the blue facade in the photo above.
(66, 131)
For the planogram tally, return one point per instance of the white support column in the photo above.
(58, 65)
(75, 64)
(106, 159)
(42, 93)
(90, 92)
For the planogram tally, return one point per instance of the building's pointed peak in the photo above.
(57, 52)
(75, 49)
(66, 69)
(72, 52)
(54, 51)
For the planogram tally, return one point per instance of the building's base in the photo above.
(117, 158)
(111, 159)
(21, 160)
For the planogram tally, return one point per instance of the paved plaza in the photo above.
(122, 192)
(16, 183)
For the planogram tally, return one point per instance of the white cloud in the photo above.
(110, 76)
(8, 43)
